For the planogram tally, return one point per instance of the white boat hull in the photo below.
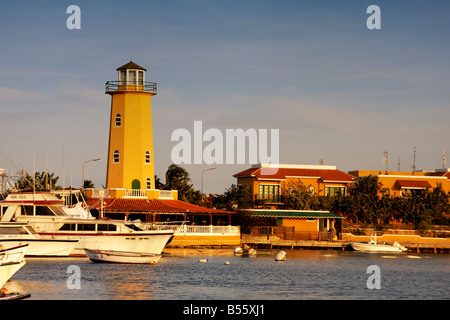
(148, 242)
(122, 257)
(370, 247)
(8, 270)
(12, 254)
(42, 247)
(11, 260)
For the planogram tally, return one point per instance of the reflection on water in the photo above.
(306, 274)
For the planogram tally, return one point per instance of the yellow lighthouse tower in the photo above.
(130, 151)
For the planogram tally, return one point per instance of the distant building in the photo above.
(318, 179)
(301, 224)
(404, 183)
(270, 188)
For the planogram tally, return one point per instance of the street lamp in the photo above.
(82, 170)
(202, 179)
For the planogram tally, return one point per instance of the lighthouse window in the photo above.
(123, 76)
(141, 77)
(147, 157)
(118, 120)
(132, 77)
(149, 183)
(116, 156)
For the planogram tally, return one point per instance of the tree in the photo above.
(43, 181)
(88, 184)
(365, 198)
(177, 178)
(158, 183)
(439, 203)
(237, 196)
(298, 197)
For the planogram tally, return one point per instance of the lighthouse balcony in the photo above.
(139, 86)
(132, 193)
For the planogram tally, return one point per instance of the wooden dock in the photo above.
(273, 242)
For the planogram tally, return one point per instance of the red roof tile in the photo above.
(150, 205)
(282, 173)
(414, 184)
(441, 174)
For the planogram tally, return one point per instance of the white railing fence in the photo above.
(182, 228)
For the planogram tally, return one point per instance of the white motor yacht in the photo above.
(46, 214)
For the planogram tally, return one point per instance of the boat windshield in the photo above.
(12, 230)
(58, 210)
(42, 211)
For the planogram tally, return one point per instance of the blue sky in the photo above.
(312, 69)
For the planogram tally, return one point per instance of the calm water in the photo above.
(304, 275)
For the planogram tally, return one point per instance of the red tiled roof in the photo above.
(150, 205)
(414, 184)
(441, 174)
(282, 173)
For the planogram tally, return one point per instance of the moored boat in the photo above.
(12, 254)
(11, 260)
(14, 234)
(46, 214)
(112, 256)
(373, 246)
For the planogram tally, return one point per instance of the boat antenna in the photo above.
(47, 185)
(63, 158)
(386, 160)
(444, 158)
(34, 171)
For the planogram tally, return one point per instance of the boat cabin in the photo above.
(30, 204)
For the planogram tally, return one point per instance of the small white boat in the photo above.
(112, 256)
(12, 254)
(7, 270)
(373, 246)
(11, 260)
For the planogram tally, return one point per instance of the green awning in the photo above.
(300, 214)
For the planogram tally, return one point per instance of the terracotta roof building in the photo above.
(269, 183)
(403, 183)
(160, 210)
